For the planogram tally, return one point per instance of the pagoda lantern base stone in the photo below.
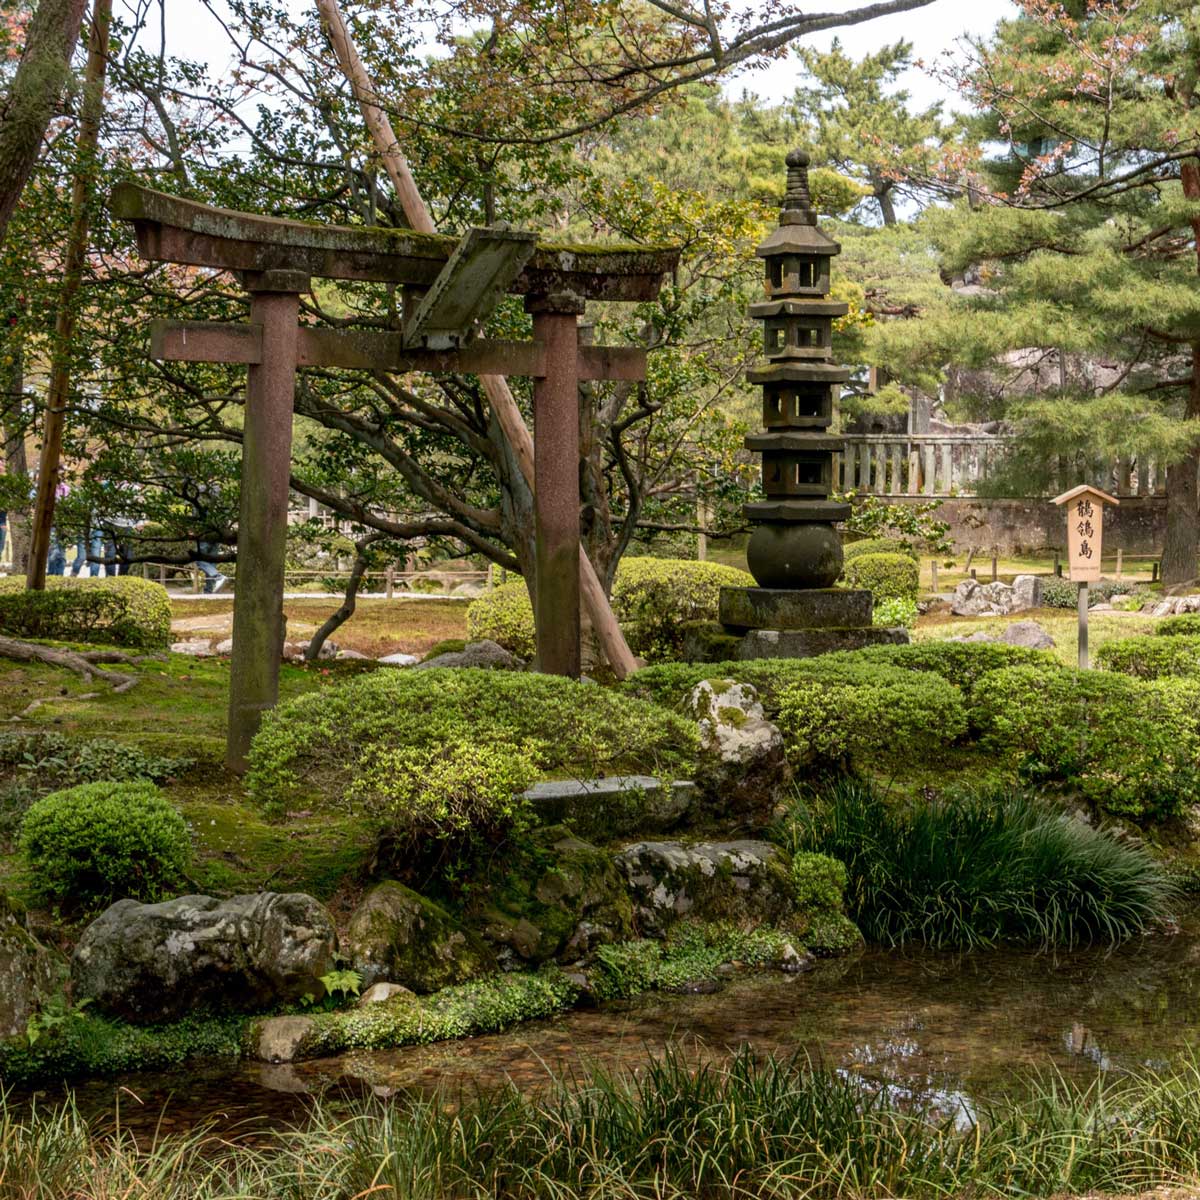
(795, 608)
(808, 643)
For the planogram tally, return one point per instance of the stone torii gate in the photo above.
(450, 286)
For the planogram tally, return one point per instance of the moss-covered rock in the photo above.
(743, 883)
(398, 935)
(30, 974)
(559, 898)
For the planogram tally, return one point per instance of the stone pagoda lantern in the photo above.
(795, 551)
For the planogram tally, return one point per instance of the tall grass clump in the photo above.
(675, 1128)
(978, 870)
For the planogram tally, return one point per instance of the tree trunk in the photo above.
(883, 195)
(58, 388)
(12, 429)
(32, 99)
(1181, 547)
(346, 611)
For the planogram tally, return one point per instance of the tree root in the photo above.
(84, 664)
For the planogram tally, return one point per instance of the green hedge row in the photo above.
(122, 611)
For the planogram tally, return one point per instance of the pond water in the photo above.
(969, 1026)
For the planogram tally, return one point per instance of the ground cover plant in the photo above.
(677, 1128)
(978, 869)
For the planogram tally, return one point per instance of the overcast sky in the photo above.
(931, 30)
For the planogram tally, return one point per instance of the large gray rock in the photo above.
(1027, 593)
(486, 654)
(30, 974)
(745, 882)
(743, 768)
(975, 599)
(399, 936)
(615, 805)
(1028, 634)
(158, 962)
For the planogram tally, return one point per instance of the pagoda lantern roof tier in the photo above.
(793, 441)
(798, 308)
(817, 512)
(798, 239)
(798, 372)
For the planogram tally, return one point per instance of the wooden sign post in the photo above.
(1085, 535)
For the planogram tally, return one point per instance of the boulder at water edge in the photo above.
(159, 962)
(399, 936)
(30, 974)
(743, 770)
(560, 898)
(745, 882)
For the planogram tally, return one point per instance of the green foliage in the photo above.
(898, 611)
(820, 881)
(980, 869)
(1062, 593)
(1183, 625)
(100, 842)
(336, 745)
(1152, 657)
(691, 955)
(1129, 746)
(653, 597)
(451, 790)
(885, 576)
(878, 545)
(960, 663)
(873, 517)
(877, 715)
(668, 1126)
(504, 615)
(40, 762)
(124, 611)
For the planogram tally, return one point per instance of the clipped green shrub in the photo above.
(1130, 746)
(1062, 593)
(979, 869)
(820, 881)
(100, 842)
(1152, 657)
(885, 576)
(1182, 625)
(877, 715)
(504, 615)
(123, 611)
(959, 663)
(345, 744)
(653, 597)
(878, 545)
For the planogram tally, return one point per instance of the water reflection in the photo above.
(957, 1028)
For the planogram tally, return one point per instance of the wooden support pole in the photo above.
(1120, 562)
(262, 523)
(933, 587)
(995, 568)
(1083, 626)
(556, 485)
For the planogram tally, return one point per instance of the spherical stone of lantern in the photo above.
(795, 555)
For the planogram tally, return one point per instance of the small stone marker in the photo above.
(1085, 533)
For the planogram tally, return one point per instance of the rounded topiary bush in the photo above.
(1152, 657)
(504, 615)
(100, 842)
(1183, 625)
(371, 743)
(654, 597)
(878, 545)
(885, 576)
(122, 610)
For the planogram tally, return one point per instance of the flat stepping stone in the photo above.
(617, 802)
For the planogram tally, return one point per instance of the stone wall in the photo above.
(1030, 526)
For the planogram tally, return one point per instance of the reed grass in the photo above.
(979, 869)
(673, 1129)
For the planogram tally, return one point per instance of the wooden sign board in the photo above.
(1085, 530)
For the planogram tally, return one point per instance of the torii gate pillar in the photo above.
(258, 622)
(556, 482)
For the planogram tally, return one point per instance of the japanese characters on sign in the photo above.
(1084, 507)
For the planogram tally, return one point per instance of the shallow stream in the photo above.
(969, 1026)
